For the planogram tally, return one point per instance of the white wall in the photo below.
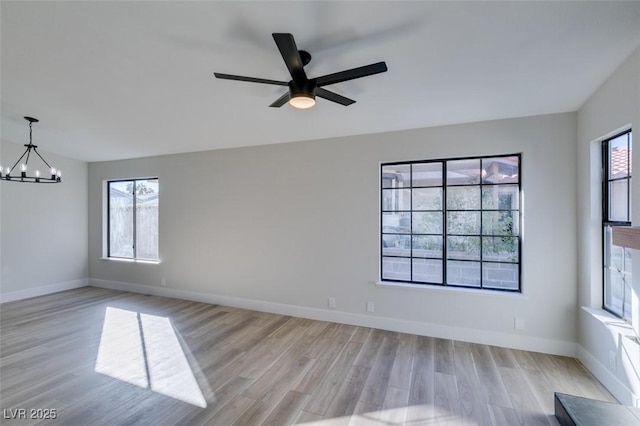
(283, 227)
(614, 107)
(43, 230)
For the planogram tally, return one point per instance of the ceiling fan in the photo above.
(303, 90)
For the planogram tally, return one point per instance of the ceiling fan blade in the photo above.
(280, 101)
(351, 74)
(250, 79)
(289, 51)
(334, 97)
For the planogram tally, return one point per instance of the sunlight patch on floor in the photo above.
(419, 414)
(144, 350)
(120, 354)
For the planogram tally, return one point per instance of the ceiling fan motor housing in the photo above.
(305, 88)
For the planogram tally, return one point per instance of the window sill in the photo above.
(437, 288)
(612, 322)
(144, 262)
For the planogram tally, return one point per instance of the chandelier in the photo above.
(52, 175)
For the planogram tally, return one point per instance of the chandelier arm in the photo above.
(45, 161)
(22, 156)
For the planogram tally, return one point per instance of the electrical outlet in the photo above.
(332, 302)
(370, 306)
(163, 281)
(519, 323)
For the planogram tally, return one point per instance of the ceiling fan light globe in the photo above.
(302, 101)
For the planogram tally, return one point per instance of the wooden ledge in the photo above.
(626, 236)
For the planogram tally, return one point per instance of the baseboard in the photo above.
(623, 394)
(528, 343)
(42, 290)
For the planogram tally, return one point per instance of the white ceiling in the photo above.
(113, 80)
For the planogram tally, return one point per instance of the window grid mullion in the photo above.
(605, 216)
(445, 243)
(135, 207)
(628, 180)
(108, 219)
(411, 221)
(481, 239)
(381, 220)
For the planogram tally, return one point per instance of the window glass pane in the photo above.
(463, 223)
(398, 223)
(427, 271)
(500, 223)
(617, 276)
(608, 291)
(500, 197)
(396, 268)
(608, 245)
(396, 199)
(500, 249)
(396, 176)
(618, 200)
(427, 199)
(626, 307)
(147, 219)
(396, 245)
(500, 170)
(121, 219)
(427, 174)
(500, 275)
(427, 246)
(463, 172)
(463, 273)
(630, 153)
(427, 223)
(463, 248)
(619, 157)
(463, 198)
(615, 287)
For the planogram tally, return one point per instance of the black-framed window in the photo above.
(616, 211)
(452, 222)
(132, 207)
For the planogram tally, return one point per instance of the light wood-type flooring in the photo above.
(106, 357)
